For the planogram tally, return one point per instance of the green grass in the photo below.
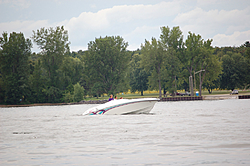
(155, 95)
(220, 92)
(125, 96)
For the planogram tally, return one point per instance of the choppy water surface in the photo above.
(177, 133)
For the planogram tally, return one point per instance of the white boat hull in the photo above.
(123, 107)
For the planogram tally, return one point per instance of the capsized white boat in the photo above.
(123, 107)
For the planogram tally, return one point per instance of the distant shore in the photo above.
(56, 104)
(205, 97)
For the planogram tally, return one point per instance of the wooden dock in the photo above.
(244, 96)
(182, 98)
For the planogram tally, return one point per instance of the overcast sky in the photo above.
(227, 22)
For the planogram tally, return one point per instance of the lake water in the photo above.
(175, 133)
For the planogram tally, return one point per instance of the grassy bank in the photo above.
(147, 94)
(156, 94)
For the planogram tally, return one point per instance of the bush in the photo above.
(68, 97)
(78, 92)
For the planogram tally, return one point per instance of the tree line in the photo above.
(167, 64)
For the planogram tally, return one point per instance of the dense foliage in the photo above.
(138, 75)
(14, 54)
(169, 63)
(106, 64)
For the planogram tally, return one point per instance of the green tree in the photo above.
(38, 84)
(247, 59)
(78, 92)
(138, 76)
(173, 44)
(154, 62)
(235, 71)
(172, 38)
(2, 92)
(14, 53)
(68, 97)
(97, 89)
(196, 58)
(54, 47)
(247, 49)
(71, 71)
(106, 63)
(53, 94)
(213, 69)
(190, 55)
(173, 68)
(209, 65)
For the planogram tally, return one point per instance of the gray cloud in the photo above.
(226, 22)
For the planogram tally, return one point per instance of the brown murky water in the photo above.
(176, 133)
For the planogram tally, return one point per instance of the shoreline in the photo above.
(205, 97)
(56, 104)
